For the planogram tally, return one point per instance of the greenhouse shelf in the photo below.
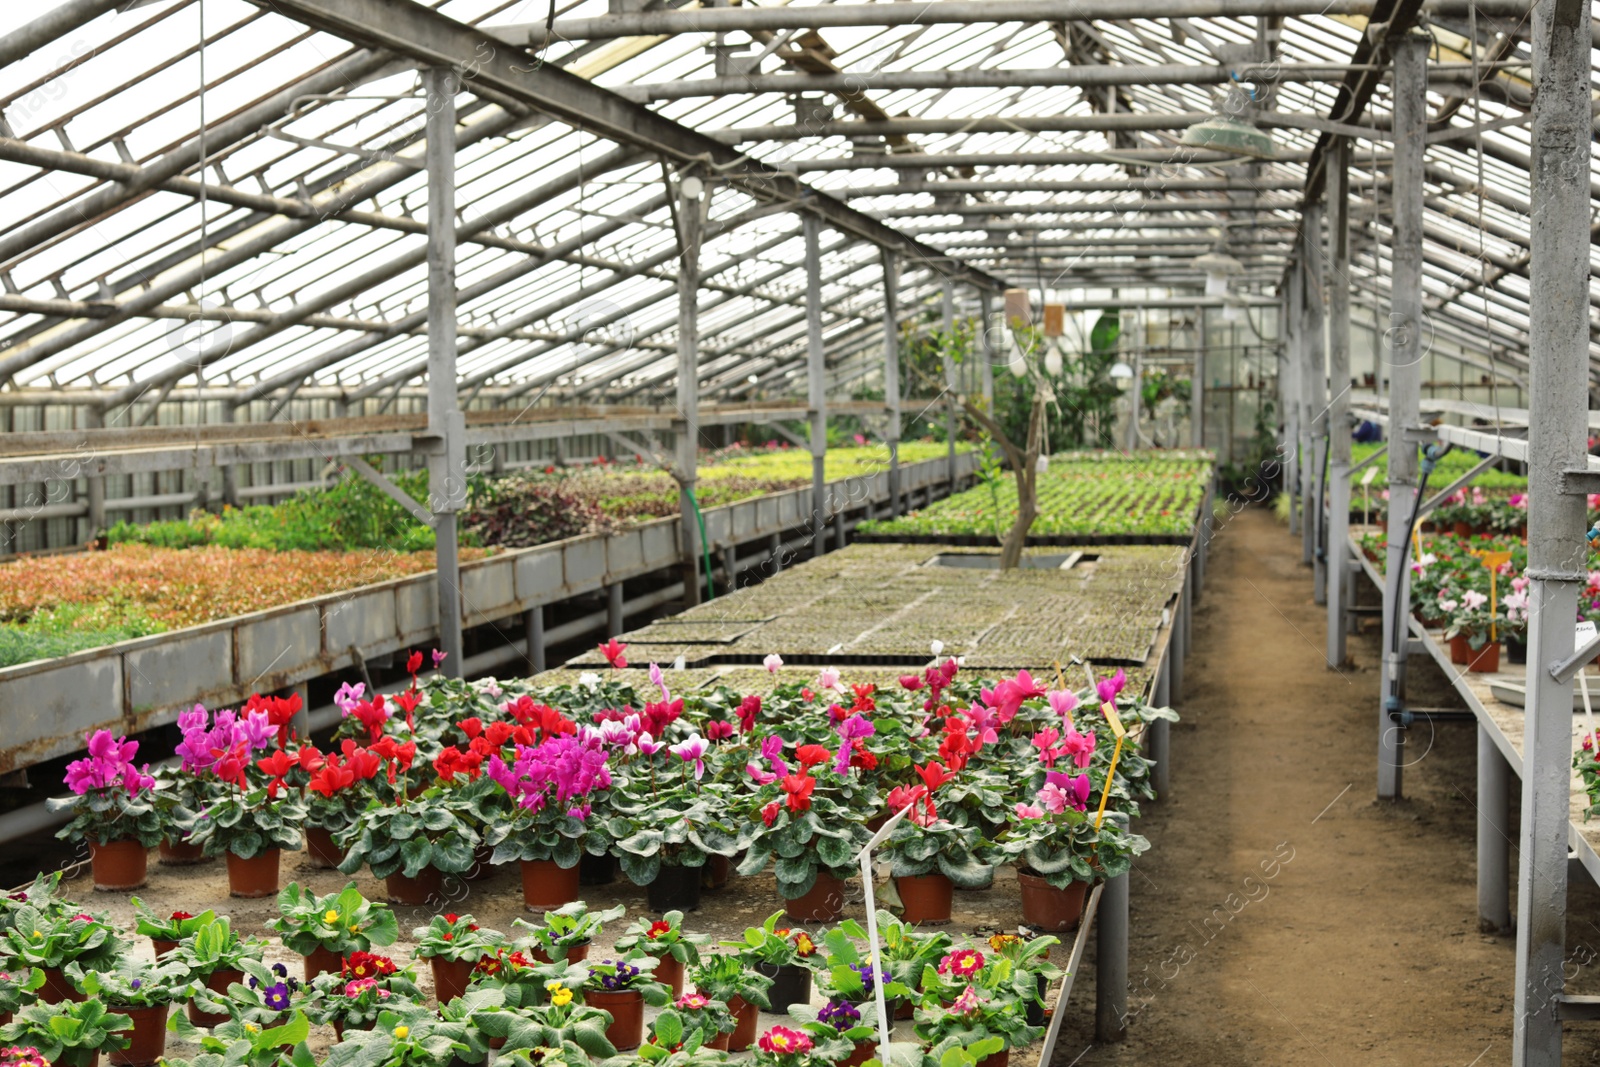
(47, 706)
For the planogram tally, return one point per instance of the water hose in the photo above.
(700, 520)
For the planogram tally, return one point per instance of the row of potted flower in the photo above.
(451, 779)
(79, 990)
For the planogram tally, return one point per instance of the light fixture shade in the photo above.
(1120, 371)
(1234, 136)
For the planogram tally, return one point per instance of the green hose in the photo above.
(700, 520)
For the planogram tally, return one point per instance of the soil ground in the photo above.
(1364, 947)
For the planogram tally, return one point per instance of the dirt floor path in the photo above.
(1284, 916)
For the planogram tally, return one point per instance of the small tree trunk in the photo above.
(1027, 479)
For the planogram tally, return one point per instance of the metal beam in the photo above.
(58, 22)
(1122, 157)
(691, 213)
(1085, 185)
(816, 390)
(939, 12)
(411, 29)
(1338, 552)
(891, 374)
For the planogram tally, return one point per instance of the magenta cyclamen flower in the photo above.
(562, 771)
(692, 750)
(1108, 688)
(109, 763)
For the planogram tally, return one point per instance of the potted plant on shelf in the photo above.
(908, 951)
(453, 944)
(783, 1046)
(114, 808)
(214, 956)
(407, 1035)
(552, 789)
(988, 1026)
(566, 932)
(845, 1032)
(931, 854)
(665, 939)
(338, 786)
(810, 828)
(622, 988)
(699, 1014)
(744, 991)
(412, 842)
(1059, 851)
(18, 987)
(324, 930)
(144, 992)
(179, 792)
(165, 933)
(240, 1043)
(1473, 625)
(265, 997)
(352, 999)
(52, 938)
(69, 1033)
(557, 1020)
(782, 954)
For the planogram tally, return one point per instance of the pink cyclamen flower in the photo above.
(1109, 688)
(438, 658)
(692, 750)
(1007, 697)
(1029, 811)
(719, 730)
(828, 678)
(772, 662)
(1063, 703)
(349, 696)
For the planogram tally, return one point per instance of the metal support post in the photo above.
(300, 723)
(1111, 957)
(614, 621)
(1160, 745)
(949, 319)
(94, 418)
(987, 329)
(1197, 389)
(1494, 841)
(816, 392)
(1405, 350)
(1558, 395)
(1291, 395)
(691, 195)
(447, 476)
(1314, 396)
(775, 547)
(230, 474)
(533, 633)
(891, 375)
(730, 567)
(1336, 542)
(839, 525)
(1179, 649)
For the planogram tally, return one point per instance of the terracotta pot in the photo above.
(823, 903)
(254, 877)
(118, 865)
(748, 1017)
(1462, 529)
(323, 961)
(481, 866)
(58, 987)
(5, 1018)
(791, 984)
(450, 978)
(927, 898)
(999, 1059)
(627, 1014)
(162, 947)
(1459, 651)
(575, 953)
(864, 1051)
(1485, 660)
(546, 884)
(905, 1009)
(1048, 908)
(720, 1042)
(721, 869)
(181, 854)
(217, 982)
(674, 889)
(147, 1041)
(670, 973)
(320, 849)
(403, 889)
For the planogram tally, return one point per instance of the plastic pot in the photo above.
(1485, 660)
(1048, 908)
(1460, 651)
(1516, 650)
(575, 953)
(58, 987)
(426, 885)
(217, 982)
(253, 877)
(674, 889)
(322, 961)
(720, 1042)
(822, 903)
(864, 1051)
(597, 870)
(118, 865)
(927, 898)
(181, 854)
(321, 850)
(482, 867)
(162, 947)
(450, 978)
(546, 884)
(627, 1014)
(747, 1018)
(999, 1059)
(721, 869)
(147, 1041)
(669, 972)
(791, 984)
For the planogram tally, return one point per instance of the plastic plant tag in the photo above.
(864, 857)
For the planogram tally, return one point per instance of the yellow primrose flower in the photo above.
(402, 1031)
(561, 996)
(252, 1027)
(330, 916)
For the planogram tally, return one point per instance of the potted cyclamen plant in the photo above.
(51, 938)
(551, 787)
(114, 809)
(1472, 629)
(809, 828)
(247, 812)
(742, 989)
(412, 842)
(353, 998)
(665, 939)
(1059, 851)
(324, 930)
(782, 954)
(622, 988)
(335, 792)
(930, 854)
(179, 792)
(165, 933)
(69, 1033)
(144, 992)
(453, 944)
